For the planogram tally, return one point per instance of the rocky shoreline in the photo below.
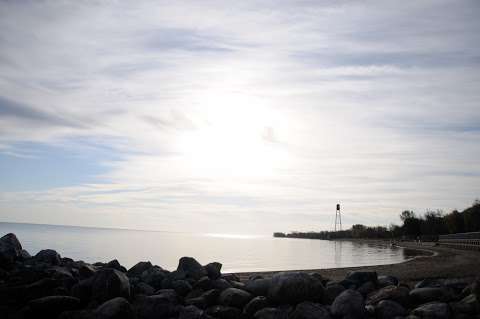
(50, 286)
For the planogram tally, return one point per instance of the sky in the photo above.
(237, 116)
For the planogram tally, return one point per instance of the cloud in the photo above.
(250, 116)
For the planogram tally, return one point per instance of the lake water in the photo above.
(236, 253)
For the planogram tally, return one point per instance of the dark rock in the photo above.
(468, 305)
(456, 284)
(366, 288)
(116, 308)
(310, 310)
(163, 305)
(234, 297)
(258, 287)
(398, 294)
(48, 256)
(238, 285)
(109, 283)
(437, 310)
(83, 290)
(424, 295)
(271, 313)
(142, 288)
(154, 276)
(348, 284)
(204, 283)
(191, 268)
(86, 271)
(230, 277)
(430, 283)
(196, 292)
(332, 292)
(24, 255)
(211, 296)
(387, 309)
(214, 270)
(169, 294)
(10, 250)
(182, 287)
(384, 281)
(78, 314)
(349, 304)
(221, 284)
(361, 277)
(63, 275)
(52, 306)
(255, 305)
(294, 287)
(115, 265)
(139, 268)
(223, 312)
(41, 288)
(190, 312)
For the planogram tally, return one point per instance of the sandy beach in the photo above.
(432, 262)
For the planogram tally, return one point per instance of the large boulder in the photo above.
(399, 294)
(437, 310)
(294, 287)
(182, 287)
(332, 292)
(349, 304)
(223, 312)
(234, 297)
(139, 268)
(387, 309)
(190, 312)
(310, 310)
(10, 250)
(52, 306)
(109, 283)
(255, 305)
(361, 277)
(385, 280)
(154, 276)
(213, 270)
(258, 287)
(116, 308)
(115, 265)
(469, 305)
(272, 313)
(424, 295)
(191, 268)
(48, 256)
(163, 305)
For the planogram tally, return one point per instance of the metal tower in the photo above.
(338, 218)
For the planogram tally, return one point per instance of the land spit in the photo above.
(47, 285)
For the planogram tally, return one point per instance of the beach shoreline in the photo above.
(441, 262)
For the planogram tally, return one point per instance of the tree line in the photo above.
(426, 227)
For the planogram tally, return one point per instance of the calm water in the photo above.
(247, 253)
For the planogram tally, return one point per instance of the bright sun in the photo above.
(238, 139)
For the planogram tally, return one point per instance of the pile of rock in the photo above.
(49, 286)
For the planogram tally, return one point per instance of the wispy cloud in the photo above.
(250, 116)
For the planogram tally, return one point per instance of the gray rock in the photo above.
(468, 305)
(424, 295)
(234, 297)
(361, 277)
(224, 312)
(116, 308)
(109, 283)
(48, 256)
(384, 281)
(387, 309)
(255, 305)
(349, 304)
(398, 294)
(190, 312)
(214, 270)
(332, 292)
(153, 276)
(437, 310)
(294, 287)
(139, 268)
(115, 265)
(258, 287)
(52, 306)
(310, 310)
(366, 288)
(271, 313)
(163, 305)
(10, 250)
(191, 268)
